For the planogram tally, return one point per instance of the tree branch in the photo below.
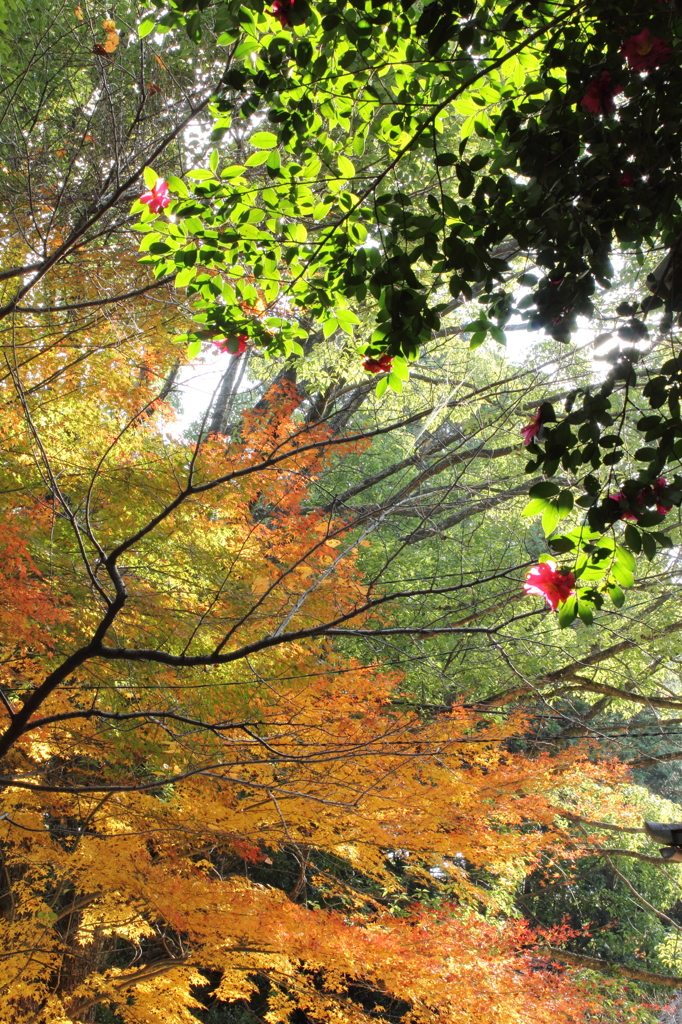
(594, 963)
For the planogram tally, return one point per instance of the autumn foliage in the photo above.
(214, 734)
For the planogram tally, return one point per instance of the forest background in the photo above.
(290, 296)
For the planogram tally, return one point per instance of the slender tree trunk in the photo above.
(229, 387)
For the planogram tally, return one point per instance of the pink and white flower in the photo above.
(157, 198)
(548, 581)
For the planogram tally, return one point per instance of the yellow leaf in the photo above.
(260, 585)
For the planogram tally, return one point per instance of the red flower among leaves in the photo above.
(638, 503)
(644, 52)
(281, 10)
(158, 198)
(381, 365)
(532, 429)
(548, 581)
(599, 96)
(227, 344)
(627, 179)
(658, 496)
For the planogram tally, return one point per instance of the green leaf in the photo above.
(193, 27)
(193, 349)
(477, 339)
(649, 545)
(150, 177)
(145, 27)
(633, 538)
(346, 166)
(543, 489)
(213, 160)
(245, 48)
(565, 503)
(561, 544)
(177, 185)
(616, 595)
(535, 506)
(586, 612)
(550, 518)
(256, 159)
(199, 174)
(400, 368)
(622, 575)
(381, 386)
(184, 276)
(394, 382)
(567, 612)
(263, 140)
(625, 557)
(346, 315)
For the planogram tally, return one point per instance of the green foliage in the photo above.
(407, 149)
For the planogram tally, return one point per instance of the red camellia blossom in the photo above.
(158, 198)
(658, 497)
(636, 503)
(223, 344)
(644, 52)
(532, 429)
(599, 96)
(281, 10)
(627, 179)
(548, 581)
(381, 365)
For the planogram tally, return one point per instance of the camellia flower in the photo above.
(636, 503)
(532, 429)
(644, 52)
(548, 581)
(281, 10)
(657, 489)
(599, 96)
(381, 365)
(223, 344)
(158, 198)
(627, 179)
